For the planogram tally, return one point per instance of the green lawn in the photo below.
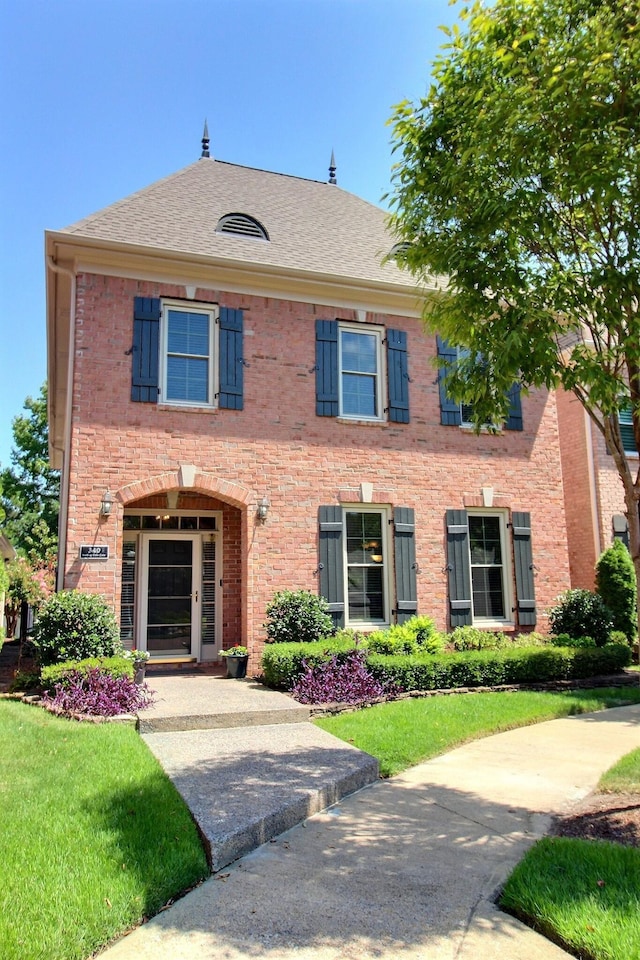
(94, 835)
(584, 893)
(406, 732)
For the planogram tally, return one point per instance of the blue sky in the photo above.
(103, 97)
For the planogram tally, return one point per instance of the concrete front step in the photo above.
(215, 721)
(246, 785)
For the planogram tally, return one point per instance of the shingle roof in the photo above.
(312, 226)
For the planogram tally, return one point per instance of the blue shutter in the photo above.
(523, 559)
(404, 544)
(514, 418)
(331, 566)
(459, 568)
(449, 409)
(398, 375)
(625, 420)
(327, 368)
(230, 396)
(145, 349)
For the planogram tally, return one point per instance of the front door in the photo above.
(171, 596)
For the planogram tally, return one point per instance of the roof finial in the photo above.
(332, 169)
(205, 141)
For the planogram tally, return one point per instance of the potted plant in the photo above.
(139, 659)
(236, 658)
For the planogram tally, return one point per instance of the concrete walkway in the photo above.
(407, 867)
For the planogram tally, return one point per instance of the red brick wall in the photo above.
(277, 447)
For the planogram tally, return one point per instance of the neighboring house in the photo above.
(594, 495)
(243, 400)
(7, 553)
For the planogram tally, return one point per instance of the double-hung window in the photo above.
(365, 567)
(187, 374)
(453, 413)
(487, 558)
(187, 353)
(359, 362)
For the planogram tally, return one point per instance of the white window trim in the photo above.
(387, 546)
(507, 569)
(381, 374)
(212, 386)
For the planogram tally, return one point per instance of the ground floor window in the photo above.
(365, 567)
(488, 584)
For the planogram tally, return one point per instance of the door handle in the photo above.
(195, 595)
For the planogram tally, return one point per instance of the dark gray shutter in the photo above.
(459, 568)
(523, 559)
(514, 418)
(404, 545)
(145, 349)
(331, 566)
(327, 368)
(398, 375)
(231, 363)
(449, 409)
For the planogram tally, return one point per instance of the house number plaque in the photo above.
(96, 551)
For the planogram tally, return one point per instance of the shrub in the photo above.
(339, 680)
(69, 670)
(397, 639)
(581, 613)
(564, 640)
(73, 626)
(283, 663)
(472, 638)
(616, 585)
(297, 615)
(99, 694)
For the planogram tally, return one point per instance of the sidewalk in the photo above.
(407, 867)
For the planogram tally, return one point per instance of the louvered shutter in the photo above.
(523, 559)
(327, 368)
(449, 409)
(145, 349)
(230, 396)
(514, 417)
(404, 543)
(459, 568)
(331, 566)
(398, 376)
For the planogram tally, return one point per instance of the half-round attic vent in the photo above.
(399, 248)
(241, 225)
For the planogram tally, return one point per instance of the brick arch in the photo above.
(207, 483)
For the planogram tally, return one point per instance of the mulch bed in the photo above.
(614, 817)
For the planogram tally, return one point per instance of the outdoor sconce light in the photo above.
(106, 504)
(263, 509)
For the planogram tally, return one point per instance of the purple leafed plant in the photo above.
(339, 680)
(98, 694)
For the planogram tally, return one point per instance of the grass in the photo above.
(406, 732)
(584, 894)
(95, 837)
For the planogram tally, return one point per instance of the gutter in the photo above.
(64, 484)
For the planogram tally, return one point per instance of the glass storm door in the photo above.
(170, 617)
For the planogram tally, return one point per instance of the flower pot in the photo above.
(237, 667)
(138, 672)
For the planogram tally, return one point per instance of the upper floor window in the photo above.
(188, 337)
(359, 363)
(453, 413)
(361, 372)
(187, 353)
(626, 430)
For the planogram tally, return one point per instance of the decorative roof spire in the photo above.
(205, 141)
(332, 169)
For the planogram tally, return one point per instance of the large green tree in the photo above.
(29, 488)
(518, 180)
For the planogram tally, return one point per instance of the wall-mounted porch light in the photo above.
(106, 504)
(263, 510)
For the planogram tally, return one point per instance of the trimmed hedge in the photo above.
(471, 668)
(60, 672)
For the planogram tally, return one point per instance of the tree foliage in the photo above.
(29, 488)
(519, 182)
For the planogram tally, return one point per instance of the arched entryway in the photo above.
(181, 586)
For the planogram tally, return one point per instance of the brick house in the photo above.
(594, 494)
(243, 400)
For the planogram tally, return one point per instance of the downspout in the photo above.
(66, 452)
(595, 512)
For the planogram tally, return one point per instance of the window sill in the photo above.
(184, 408)
(494, 624)
(469, 428)
(361, 423)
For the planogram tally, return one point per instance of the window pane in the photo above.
(358, 395)
(187, 379)
(359, 352)
(484, 540)
(366, 597)
(188, 333)
(364, 538)
(488, 600)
